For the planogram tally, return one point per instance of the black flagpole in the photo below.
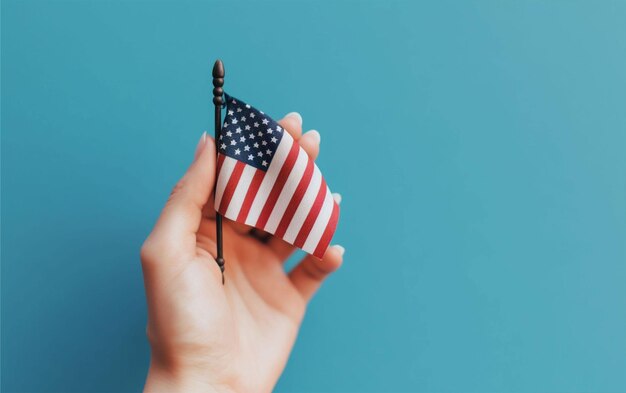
(218, 100)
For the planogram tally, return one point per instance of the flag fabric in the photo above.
(266, 180)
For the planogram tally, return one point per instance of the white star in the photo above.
(265, 121)
(274, 139)
(268, 152)
(251, 136)
(223, 146)
(250, 157)
(252, 115)
(242, 139)
(256, 145)
(238, 109)
(246, 148)
(238, 130)
(264, 143)
(234, 121)
(243, 118)
(231, 113)
(260, 133)
(228, 133)
(247, 106)
(259, 154)
(278, 128)
(233, 143)
(269, 130)
(247, 127)
(264, 163)
(234, 102)
(237, 151)
(256, 124)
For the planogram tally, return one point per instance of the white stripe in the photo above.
(240, 192)
(287, 192)
(270, 178)
(320, 224)
(222, 179)
(305, 206)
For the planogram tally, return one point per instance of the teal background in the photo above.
(479, 147)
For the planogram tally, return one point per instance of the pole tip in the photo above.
(220, 263)
(218, 69)
(218, 83)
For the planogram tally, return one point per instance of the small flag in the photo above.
(266, 180)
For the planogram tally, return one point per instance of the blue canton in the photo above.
(248, 135)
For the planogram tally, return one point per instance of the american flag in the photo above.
(266, 180)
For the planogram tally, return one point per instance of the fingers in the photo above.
(292, 122)
(309, 274)
(310, 142)
(175, 231)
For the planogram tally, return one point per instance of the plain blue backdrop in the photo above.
(479, 146)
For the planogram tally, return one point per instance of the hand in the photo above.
(236, 337)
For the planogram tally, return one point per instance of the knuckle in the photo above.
(150, 335)
(148, 252)
(180, 185)
(314, 271)
(319, 269)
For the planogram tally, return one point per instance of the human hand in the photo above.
(236, 337)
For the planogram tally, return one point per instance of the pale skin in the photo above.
(209, 337)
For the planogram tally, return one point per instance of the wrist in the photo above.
(169, 380)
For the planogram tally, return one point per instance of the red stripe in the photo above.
(229, 190)
(312, 216)
(322, 245)
(257, 179)
(295, 199)
(278, 185)
(220, 161)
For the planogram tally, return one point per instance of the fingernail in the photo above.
(201, 144)
(296, 116)
(337, 197)
(340, 249)
(315, 135)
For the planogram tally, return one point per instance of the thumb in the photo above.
(175, 232)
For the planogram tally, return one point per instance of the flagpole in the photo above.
(218, 100)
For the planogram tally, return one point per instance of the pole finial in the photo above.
(218, 69)
(218, 82)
